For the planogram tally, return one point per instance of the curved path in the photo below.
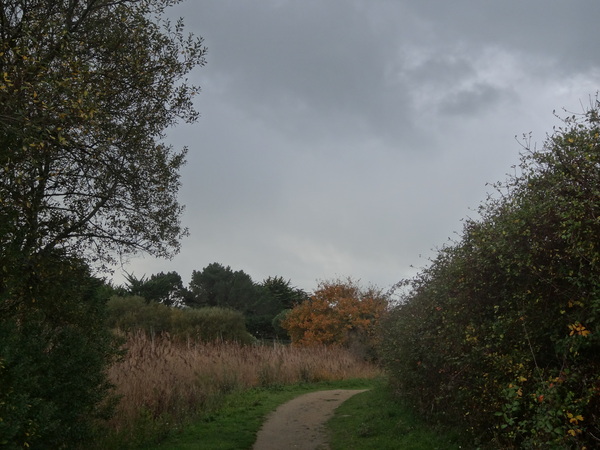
(299, 423)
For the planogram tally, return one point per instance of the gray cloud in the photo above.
(474, 100)
(349, 137)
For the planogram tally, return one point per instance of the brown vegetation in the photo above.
(159, 378)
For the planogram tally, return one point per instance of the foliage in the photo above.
(132, 314)
(87, 89)
(339, 312)
(501, 334)
(209, 324)
(276, 296)
(217, 285)
(54, 354)
(283, 292)
(166, 288)
(277, 322)
(376, 420)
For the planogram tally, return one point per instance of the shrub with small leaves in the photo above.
(500, 335)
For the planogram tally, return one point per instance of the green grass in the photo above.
(370, 420)
(235, 424)
(374, 420)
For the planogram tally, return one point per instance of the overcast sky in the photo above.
(350, 137)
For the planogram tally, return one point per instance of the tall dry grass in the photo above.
(162, 378)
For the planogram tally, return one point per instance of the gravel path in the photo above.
(299, 423)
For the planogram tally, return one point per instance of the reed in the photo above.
(162, 378)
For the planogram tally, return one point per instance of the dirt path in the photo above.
(299, 423)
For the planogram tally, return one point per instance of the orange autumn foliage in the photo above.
(336, 312)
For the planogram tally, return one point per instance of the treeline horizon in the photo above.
(218, 286)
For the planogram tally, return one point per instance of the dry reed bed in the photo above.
(162, 377)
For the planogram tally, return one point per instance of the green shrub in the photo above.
(130, 314)
(54, 351)
(280, 332)
(209, 324)
(500, 335)
(134, 313)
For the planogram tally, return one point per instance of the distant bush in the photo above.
(339, 312)
(217, 285)
(501, 334)
(280, 332)
(130, 314)
(209, 324)
(134, 313)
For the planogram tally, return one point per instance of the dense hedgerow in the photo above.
(131, 314)
(500, 335)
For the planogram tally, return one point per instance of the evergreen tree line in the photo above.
(262, 305)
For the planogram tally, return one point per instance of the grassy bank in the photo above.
(374, 420)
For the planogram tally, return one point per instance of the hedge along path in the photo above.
(300, 423)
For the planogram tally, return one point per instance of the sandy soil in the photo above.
(299, 423)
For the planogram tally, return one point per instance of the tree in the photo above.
(283, 292)
(87, 90)
(217, 285)
(339, 312)
(54, 357)
(277, 299)
(166, 288)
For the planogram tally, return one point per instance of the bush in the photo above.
(501, 334)
(339, 312)
(134, 313)
(280, 332)
(54, 352)
(209, 324)
(130, 314)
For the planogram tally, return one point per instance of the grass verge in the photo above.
(235, 424)
(374, 420)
